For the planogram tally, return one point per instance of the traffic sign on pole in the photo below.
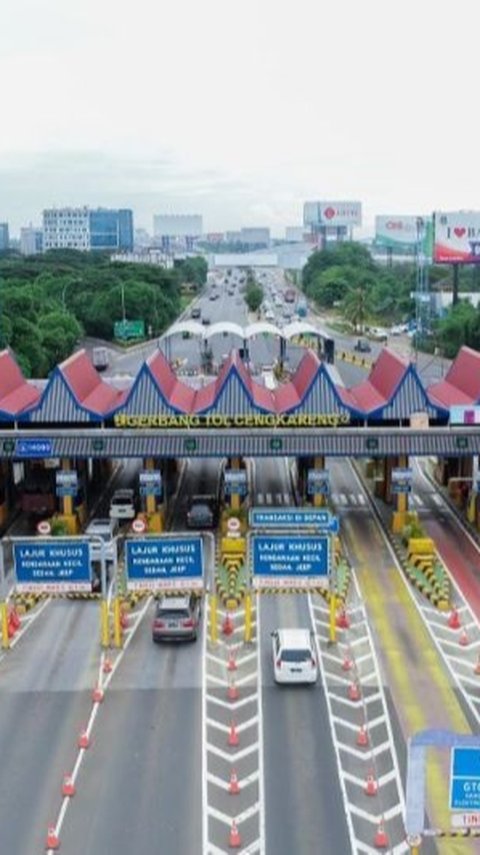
(157, 563)
(465, 779)
(57, 565)
(289, 561)
(287, 518)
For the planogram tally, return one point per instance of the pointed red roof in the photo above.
(290, 395)
(461, 385)
(379, 388)
(180, 395)
(90, 391)
(16, 393)
(206, 397)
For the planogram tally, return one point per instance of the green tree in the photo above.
(59, 334)
(253, 296)
(355, 307)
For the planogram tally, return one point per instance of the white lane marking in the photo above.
(269, 498)
(260, 499)
(205, 847)
(104, 684)
(428, 623)
(353, 498)
(286, 499)
(361, 499)
(437, 499)
(261, 778)
(343, 499)
(418, 500)
(341, 780)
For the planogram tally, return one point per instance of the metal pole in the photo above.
(248, 617)
(105, 630)
(3, 601)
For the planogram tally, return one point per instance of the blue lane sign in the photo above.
(318, 481)
(299, 561)
(465, 779)
(150, 482)
(164, 563)
(293, 518)
(33, 448)
(56, 566)
(402, 480)
(235, 482)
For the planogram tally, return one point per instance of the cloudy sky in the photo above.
(238, 111)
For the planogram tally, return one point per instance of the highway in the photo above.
(141, 782)
(303, 802)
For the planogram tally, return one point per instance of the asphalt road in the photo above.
(139, 789)
(46, 685)
(303, 802)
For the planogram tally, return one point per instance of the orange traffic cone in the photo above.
(97, 694)
(84, 740)
(52, 841)
(10, 628)
(68, 787)
(342, 621)
(380, 841)
(15, 618)
(362, 737)
(354, 692)
(124, 620)
(231, 665)
(232, 692)
(233, 738)
(453, 619)
(464, 640)
(476, 669)
(234, 841)
(371, 786)
(227, 625)
(107, 666)
(347, 663)
(234, 786)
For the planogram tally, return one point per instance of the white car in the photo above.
(294, 656)
(107, 529)
(122, 505)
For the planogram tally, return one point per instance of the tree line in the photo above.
(346, 277)
(49, 302)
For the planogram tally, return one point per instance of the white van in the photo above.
(294, 656)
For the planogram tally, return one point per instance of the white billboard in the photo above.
(332, 213)
(396, 231)
(456, 237)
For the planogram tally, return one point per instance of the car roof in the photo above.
(125, 491)
(294, 638)
(99, 522)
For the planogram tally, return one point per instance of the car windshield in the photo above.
(121, 500)
(296, 655)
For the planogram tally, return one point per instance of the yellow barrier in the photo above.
(213, 619)
(233, 544)
(104, 625)
(248, 617)
(4, 615)
(117, 627)
(421, 546)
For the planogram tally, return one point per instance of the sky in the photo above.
(238, 111)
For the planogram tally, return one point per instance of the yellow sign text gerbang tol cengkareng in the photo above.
(251, 420)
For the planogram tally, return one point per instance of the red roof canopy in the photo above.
(16, 393)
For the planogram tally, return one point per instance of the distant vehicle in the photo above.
(378, 334)
(269, 315)
(206, 322)
(290, 295)
(176, 618)
(107, 529)
(37, 493)
(202, 511)
(302, 308)
(100, 358)
(196, 312)
(294, 656)
(122, 505)
(362, 346)
(398, 329)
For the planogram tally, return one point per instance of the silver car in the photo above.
(176, 618)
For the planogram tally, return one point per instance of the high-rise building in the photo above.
(31, 240)
(177, 225)
(255, 236)
(4, 237)
(88, 229)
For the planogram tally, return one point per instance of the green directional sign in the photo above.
(125, 330)
(276, 443)
(190, 444)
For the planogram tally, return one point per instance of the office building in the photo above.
(177, 225)
(88, 229)
(295, 234)
(255, 236)
(31, 240)
(4, 237)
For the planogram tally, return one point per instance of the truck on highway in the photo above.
(100, 358)
(290, 295)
